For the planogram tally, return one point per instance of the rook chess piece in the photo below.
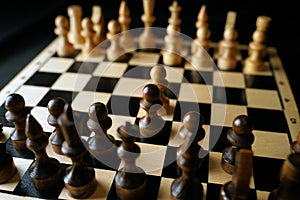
(240, 136)
(98, 24)
(64, 47)
(45, 172)
(88, 33)
(79, 179)
(15, 104)
(56, 108)
(7, 165)
(130, 180)
(75, 14)
(189, 158)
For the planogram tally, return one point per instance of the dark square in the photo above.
(181, 65)
(126, 60)
(137, 72)
(183, 107)
(101, 84)
(269, 120)
(83, 67)
(122, 105)
(260, 82)
(266, 172)
(70, 56)
(42, 79)
(218, 138)
(172, 91)
(235, 96)
(67, 95)
(201, 77)
(213, 191)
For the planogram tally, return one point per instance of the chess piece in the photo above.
(158, 75)
(1, 129)
(240, 136)
(115, 51)
(126, 39)
(238, 188)
(173, 42)
(79, 179)
(16, 113)
(88, 33)
(98, 24)
(189, 153)
(7, 165)
(289, 180)
(295, 146)
(64, 47)
(147, 39)
(151, 125)
(75, 14)
(130, 180)
(45, 172)
(56, 108)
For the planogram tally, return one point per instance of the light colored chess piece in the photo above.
(88, 33)
(75, 14)
(98, 24)
(64, 47)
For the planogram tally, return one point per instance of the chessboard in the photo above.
(218, 95)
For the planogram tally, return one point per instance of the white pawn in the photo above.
(88, 33)
(64, 47)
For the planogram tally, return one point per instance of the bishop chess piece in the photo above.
(147, 39)
(115, 51)
(126, 39)
(7, 165)
(238, 188)
(241, 137)
(56, 108)
(98, 24)
(189, 158)
(172, 55)
(75, 14)
(289, 180)
(151, 125)
(64, 47)
(79, 179)
(130, 180)
(16, 113)
(88, 33)
(45, 172)
(295, 146)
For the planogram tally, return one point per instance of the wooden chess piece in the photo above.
(98, 24)
(240, 136)
(189, 159)
(151, 125)
(7, 165)
(15, 104)
(238, 188)
(88, 33)
(126, 39)
(79, 179)
(295, 146)
(130, 180)
(64, 47)
(75, 14)
(147, 39)
(288, 188)
(1, 129)
(56, 107)
(45, 172)
(115, 51)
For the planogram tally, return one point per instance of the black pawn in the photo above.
(45, 172)
(240, 136)
(15, 104)
(56, 108)
(189, 158)
(151, 125)
(79, 179)
(130, 180)
(7, 165)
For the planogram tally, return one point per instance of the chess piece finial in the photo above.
(98, 24)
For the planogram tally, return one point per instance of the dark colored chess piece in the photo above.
(295, 146)
(7, 165)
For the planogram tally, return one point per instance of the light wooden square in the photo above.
(130, 87)
(71, 82)
(195, 93)
(266, 99)
(144, 59)
(228, 79)
(110, 69)
(85, 99)
(57, 65)
(32, 94)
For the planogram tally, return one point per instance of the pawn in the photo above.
(15, 104)
(295, 146)
(115, 51)
(64, 47)
(45, 172)
(98, 24)
(189, 158)
(56, 108)
(240, 136)
(158, 75)
(79, 179)
(88, 33)
(151, 125)
(7, 166)
(130, 180)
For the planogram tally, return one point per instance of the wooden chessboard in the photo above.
(219, 95)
